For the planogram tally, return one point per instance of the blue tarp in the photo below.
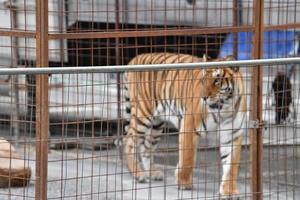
(276, 44)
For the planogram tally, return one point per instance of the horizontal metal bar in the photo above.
(154, 67)
(282, 27)
(167, 32)
(141, 33)
(17, 33)
(151, 33)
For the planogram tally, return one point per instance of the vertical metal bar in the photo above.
(14, 78)
(117, 51)
(235, 24)
(42, 119)
(256, 101)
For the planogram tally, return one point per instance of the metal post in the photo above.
(117, 51)
(42, 120)
(256, 101)
(14, 78)
(235, 24)
(237, 21)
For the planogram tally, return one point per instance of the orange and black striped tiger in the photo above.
(195, 101)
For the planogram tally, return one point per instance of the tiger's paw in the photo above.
(146, 177)
(230, 197)
(184, 179)
(157, 175)
(142, 178)
(229, 194)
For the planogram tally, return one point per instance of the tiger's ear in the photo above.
(235, 69)
(231, 58)
(204, 59)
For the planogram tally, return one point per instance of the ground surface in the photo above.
(85, 174)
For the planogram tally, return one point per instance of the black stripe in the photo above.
(224, 156)
(157, 126)
(140, 122)
(128, 110)
(204, 125)
(146, 146)
(234, 138)
(218, 106)
(145, 119)
(155, 142)
(138, 132)
(215, 118)
(144, 111)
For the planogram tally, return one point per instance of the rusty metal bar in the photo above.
(14, 79)
(15, 33)
(117, 51)
(256, 101)
(151, 33)
(235, 11)
(282, 27)
(154, 67)
(42, 119)
(168, 32)
(154, 33)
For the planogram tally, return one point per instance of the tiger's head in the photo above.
(220, 85)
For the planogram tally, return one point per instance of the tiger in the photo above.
(196, 102)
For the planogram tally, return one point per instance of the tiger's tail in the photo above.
(119, 141)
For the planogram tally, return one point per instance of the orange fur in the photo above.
(187, 88)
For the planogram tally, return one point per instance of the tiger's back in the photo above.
(150, 88)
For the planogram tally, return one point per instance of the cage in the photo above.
(68, 127)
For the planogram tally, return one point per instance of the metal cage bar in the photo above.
(42, 110)
(256, 101)
(122, 68)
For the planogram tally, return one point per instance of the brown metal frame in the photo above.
(43, 36)
(42, 118)
(256, 101)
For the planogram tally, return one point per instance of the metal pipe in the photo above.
(42, 110)
(15, 33)
(151, 33)
(235, 16)
(117, 51)
(15, 81)
(154, 67)
(256, 138)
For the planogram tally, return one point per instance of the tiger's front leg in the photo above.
(188, 140)
(230, 157)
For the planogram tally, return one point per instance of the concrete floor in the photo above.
(85, 174)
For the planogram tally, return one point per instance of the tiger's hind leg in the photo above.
(230, 156)
(148, 148)
(132, 143)
(141, 142)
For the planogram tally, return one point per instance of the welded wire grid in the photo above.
(86, 111)
(16, 94)
(280, 105)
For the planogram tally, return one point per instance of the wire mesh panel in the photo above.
(83, 163)
(16, 104)
(102, 138)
